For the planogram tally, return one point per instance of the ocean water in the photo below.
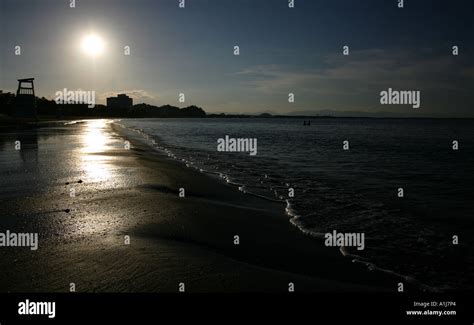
(353, 190)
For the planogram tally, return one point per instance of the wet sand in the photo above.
(120, 192)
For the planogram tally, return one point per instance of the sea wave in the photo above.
(295, 218)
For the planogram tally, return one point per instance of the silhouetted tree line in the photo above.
(6, 103)
(45, 107)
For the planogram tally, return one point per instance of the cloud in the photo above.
(354, 82)
(276, 79)
(363, 72)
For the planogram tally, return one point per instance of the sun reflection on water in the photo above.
(95, 143)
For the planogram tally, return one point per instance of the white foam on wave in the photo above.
(294, 220)
(74, 122)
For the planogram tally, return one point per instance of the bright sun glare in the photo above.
(92, 45)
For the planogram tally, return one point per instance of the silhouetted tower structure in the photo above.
(25, 102)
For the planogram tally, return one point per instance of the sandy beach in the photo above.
(120, 192)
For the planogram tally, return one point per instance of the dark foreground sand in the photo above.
(134, 192)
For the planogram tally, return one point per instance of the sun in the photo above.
(92, 45)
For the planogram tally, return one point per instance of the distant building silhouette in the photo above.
(121, 101)
(25, 101)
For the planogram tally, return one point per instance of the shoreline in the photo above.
(280, 211)
(285, 209)
(172, 240)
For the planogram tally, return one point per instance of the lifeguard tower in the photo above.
(25, 101)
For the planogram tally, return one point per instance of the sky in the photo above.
(282, 50)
